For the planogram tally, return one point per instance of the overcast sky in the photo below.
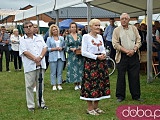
(17, 4)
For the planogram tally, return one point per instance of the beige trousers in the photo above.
(30, 79)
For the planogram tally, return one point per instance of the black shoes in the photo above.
(31, 109)
(119, 99)
(44, 107)
(139, 100)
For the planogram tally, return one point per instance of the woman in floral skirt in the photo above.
(95, 82)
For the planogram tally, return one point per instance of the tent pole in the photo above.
(88, 13)
(38, 23)
(57, 17)
(149, 41)
(16, 24)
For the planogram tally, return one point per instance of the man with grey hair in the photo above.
(32, 49)
(126, 41)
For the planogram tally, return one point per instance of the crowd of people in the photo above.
(83, 53)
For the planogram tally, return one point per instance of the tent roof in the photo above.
(134, 8)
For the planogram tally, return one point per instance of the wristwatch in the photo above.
(41, 56)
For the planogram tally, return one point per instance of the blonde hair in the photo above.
(15, 30)
(35, 25)
(50, 30)
(93, 21)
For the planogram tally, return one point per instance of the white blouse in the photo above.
(92, 46)
(57, 45)
(15, 42)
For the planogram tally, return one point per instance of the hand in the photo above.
(101, 57)
(37, 60)
(130, 53)
(38, 64)
(60, 48)
(73, 49)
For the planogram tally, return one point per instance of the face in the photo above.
(28, 28)
(112, 22)
(54, 31)
(3, 30)
(35, 29)
(16, 33)
(95, 28)
(124, 20)
(73, 28)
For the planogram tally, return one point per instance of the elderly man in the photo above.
(126, 41)
(32, 49)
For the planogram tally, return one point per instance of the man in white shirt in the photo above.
(32, 50)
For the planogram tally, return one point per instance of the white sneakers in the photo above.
(77, 87)
(59, 87)
(34, 89)
(55, 88)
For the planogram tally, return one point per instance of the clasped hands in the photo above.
(130, 53)
(101, 57)
(58, 48)
(37, 60)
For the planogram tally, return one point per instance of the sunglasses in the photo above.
(29, 26)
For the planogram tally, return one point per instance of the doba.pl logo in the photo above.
(138, 112)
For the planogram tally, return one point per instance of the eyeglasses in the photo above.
(29, 26)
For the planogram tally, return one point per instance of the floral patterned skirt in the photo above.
(95, 82)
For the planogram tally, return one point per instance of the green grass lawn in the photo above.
(65, 104)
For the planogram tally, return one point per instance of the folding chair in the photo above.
(155, 64)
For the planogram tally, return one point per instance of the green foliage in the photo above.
(65, 104)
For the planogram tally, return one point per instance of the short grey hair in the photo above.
(124, 14)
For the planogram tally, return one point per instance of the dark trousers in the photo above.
(131, 65)
(6, 50)
(113, 51)
(17, 59)
(47, 63)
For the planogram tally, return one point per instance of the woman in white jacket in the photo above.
(15, 37)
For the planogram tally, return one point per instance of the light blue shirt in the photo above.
(108, 33)
(5, 37)
(53, 55)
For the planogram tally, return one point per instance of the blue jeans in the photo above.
(56, 68)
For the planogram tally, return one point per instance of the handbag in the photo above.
(78, 51)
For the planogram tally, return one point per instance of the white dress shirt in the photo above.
(90, 48)
(35, 47)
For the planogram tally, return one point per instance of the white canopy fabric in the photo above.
(134, 8)
(37, 10)
(9, 12)
(46, 7)
(66, 3)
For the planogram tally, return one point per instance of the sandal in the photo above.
(99, 110)
(44, 107)
(92, 112)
